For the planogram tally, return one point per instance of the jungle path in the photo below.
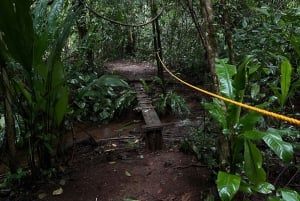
(118, 167)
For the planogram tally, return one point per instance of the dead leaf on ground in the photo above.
(42, 196)
(186, 196)
(58, 191)
(128, 174)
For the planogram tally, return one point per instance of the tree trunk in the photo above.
(227, 26)
(211, 50)
(83, 31)
(196, 22)
(157, 43)
(10, 131)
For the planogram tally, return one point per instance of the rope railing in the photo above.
(243, 105)
(122, 23)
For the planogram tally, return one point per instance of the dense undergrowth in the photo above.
(52, 77)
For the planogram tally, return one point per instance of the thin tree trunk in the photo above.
(10, 131)
(210, 40)
(211, 50)
(83, 31)
(227, 26)
(157, 43)
(196, 22)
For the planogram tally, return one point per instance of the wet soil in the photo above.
(110, 162)
(133, 175)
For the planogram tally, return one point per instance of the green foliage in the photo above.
(201, 141)
(285, 195)
(40, 91)
(287, 87)
(241, 131)
(228, 185)
(16, 34)
(253, 163)
(171, 100)
(101, 99)
(13, 180)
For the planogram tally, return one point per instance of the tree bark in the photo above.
(157, 42)
(227, 26)
(210, 40)
(83, 31)
(196, 22)
(10, 130)
(211, 50)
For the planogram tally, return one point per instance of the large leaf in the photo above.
(240, 77)
(217, 112)
(282, 149)
(61, 105)
(16, 31)
(254, 134)
(264, 188)
(227, 185)
(109, 80)
(253, 163)
(289, 195)
(225, 73)
(21, 87)
(249, 120)
(285, 80)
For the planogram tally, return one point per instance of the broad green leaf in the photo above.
(255, 89)
(225, 73)
(249, 120)
(296, 44)
(61, 39)
(16, 31)
(253, 163)
(289, 195)
(246, 188)
(264, 188)
(282, 149)
(263, 10)
(20, 86)
(109, 80)
(227, 185)
(274, 199)
(254, 134)
(217, 112)
(285, 80)
(276, 92)
(241, 76)
(61, 104)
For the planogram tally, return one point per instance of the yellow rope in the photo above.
(259, 110)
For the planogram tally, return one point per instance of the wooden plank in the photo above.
(145, 103)
(153, 127)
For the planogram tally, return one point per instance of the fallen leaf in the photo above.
(112, 162)
(130, 199)
(42, 196)
(128, 174)
(58, 191)
(186, 197)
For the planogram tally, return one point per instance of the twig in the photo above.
(190, 165)
(281, 173)
(292, 178)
